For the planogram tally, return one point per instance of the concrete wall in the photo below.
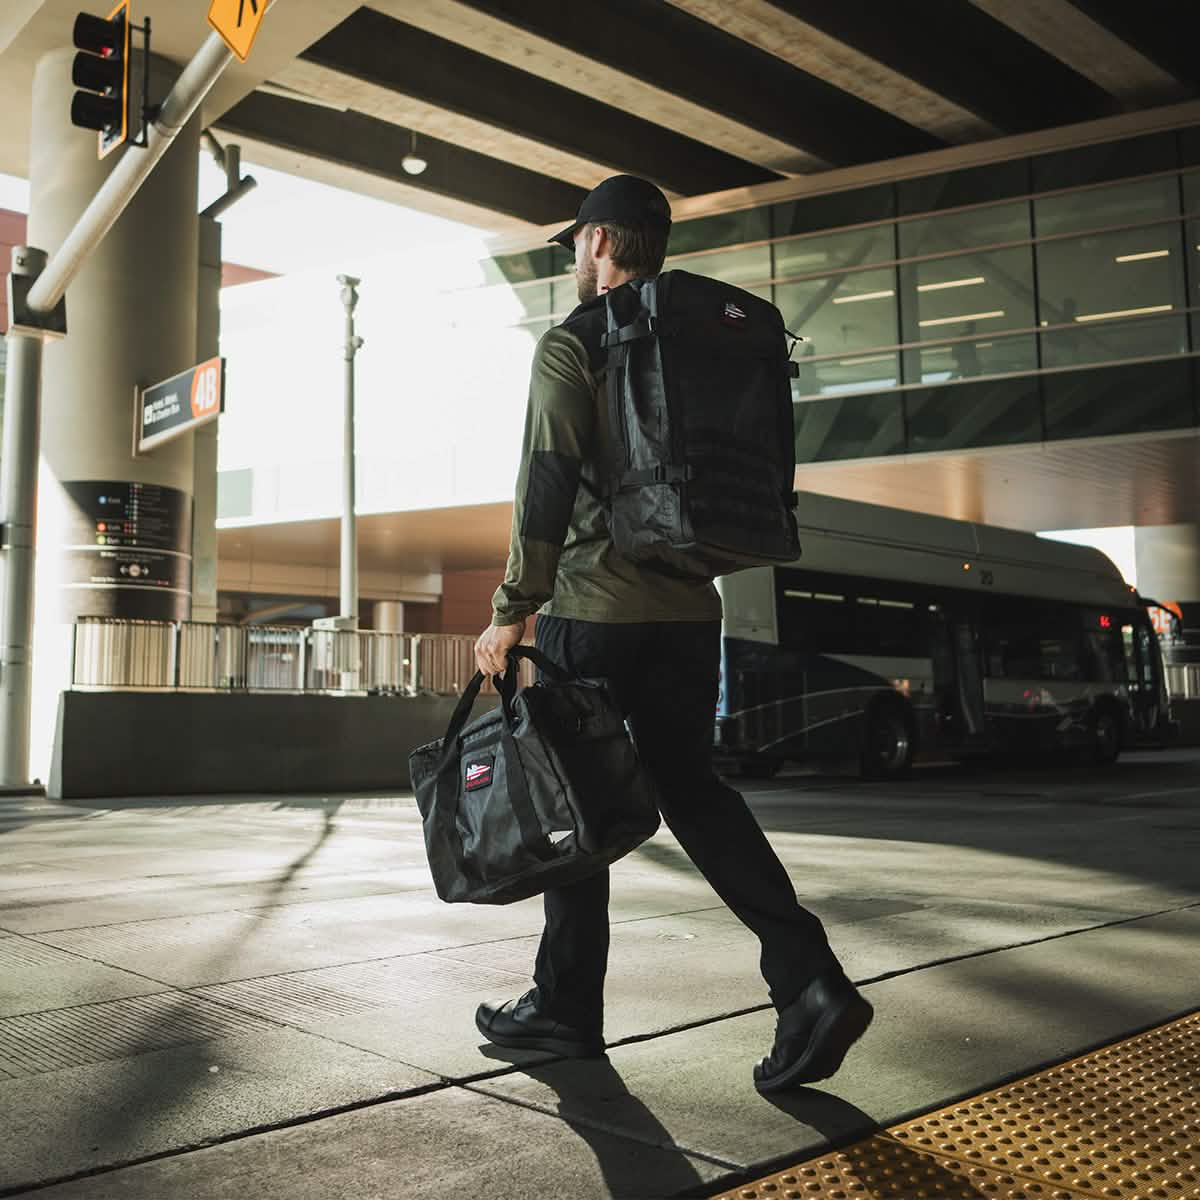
(192, 743)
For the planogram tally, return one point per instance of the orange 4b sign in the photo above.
(179, 404)
(237, 22)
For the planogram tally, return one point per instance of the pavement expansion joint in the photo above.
(988, 951)
(1119, 1123)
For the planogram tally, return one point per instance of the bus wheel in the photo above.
(1106, 737)
(759, 767)
(887, 751)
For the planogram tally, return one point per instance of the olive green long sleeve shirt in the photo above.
(562, 561)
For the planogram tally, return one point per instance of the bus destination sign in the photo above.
(171, 408)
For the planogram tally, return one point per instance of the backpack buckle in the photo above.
(646, 327)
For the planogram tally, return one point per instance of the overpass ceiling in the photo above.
(31, 28)
(1055, 485)
(520, 107)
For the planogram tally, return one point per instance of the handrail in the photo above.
(110, 654)
(1183, 681)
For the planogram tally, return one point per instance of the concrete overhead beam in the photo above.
(1167, 32)
(502, 102)
(394, 188)
(1087, 47)
(805, 47)
(351, 141)
(961, 53)
(491, 36)
(30, 29)
(428, 120)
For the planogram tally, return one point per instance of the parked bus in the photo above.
(898, 633)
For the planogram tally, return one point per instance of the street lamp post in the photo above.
(348, 604)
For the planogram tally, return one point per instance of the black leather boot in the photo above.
(517, 1025)
(813, 1034)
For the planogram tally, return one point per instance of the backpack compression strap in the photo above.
(646, 327)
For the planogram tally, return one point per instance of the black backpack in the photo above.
(700, 406)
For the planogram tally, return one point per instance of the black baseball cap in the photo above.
(623, 200)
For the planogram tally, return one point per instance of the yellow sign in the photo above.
(109, 139)
(237, 21)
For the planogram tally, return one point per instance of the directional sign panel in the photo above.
(178, 404)
(237, 21)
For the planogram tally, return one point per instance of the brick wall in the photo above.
(12, 233)
(233, 273)
(423, 618)
(467, 599)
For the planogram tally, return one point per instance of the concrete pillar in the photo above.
(1168, 569)
(204, 477)
(388, 616)
(114, 529)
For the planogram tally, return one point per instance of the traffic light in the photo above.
(101, 69)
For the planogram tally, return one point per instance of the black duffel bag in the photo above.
(538, 793)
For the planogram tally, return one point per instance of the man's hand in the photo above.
(491, 650)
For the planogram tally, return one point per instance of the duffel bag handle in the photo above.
(518, 786)
(506, 685)
(544, 664)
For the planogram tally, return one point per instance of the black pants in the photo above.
(665, 677)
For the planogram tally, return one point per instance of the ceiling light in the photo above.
(1142, 257)
(1125, 312)
(412, 162)
(863, 296)
(987, 316)
(951, 283)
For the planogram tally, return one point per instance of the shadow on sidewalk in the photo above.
(619, 1129)
(859, 1157)
(148, 1094)
(637, 1155)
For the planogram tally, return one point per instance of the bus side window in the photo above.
(891, 627)
(1012, 652)
(1029, 640)
(1104, 656)
(815, 620)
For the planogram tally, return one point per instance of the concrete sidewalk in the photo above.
(264, 998)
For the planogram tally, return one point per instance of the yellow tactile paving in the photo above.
(1121, 1123)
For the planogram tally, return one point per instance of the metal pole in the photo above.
(348, 603)
(130, 173)
(18, 509)
(23, 384)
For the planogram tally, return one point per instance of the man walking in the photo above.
(656, 639)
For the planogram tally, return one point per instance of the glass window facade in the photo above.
(1135, 203)
(977, 307)
(826, 252)
(744, 268)
(989, 226)
(850, 323)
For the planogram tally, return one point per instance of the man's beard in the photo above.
(587, 280)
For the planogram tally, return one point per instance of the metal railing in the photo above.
(109, 655)
(113, 654)
(1183, 681)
